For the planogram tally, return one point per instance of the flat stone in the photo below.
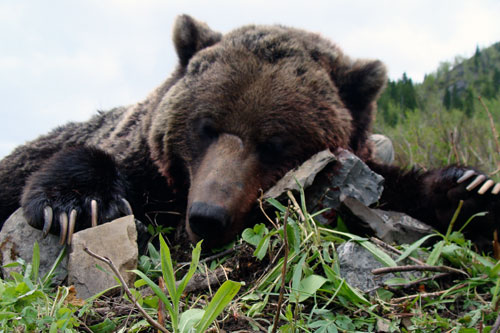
(116, 240)
(356, 264)
(17, 238)
(391, 227)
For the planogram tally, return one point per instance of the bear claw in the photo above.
(486, 186)
(479, 179)
(63, 224)
(467, 174)
(71, 227)
(128, 207)
(47, 220)
(93, 208)
(496, 189)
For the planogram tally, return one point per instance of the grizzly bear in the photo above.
(239, 111)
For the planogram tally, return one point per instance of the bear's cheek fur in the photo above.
(224, 186)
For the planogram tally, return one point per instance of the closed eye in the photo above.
(272, 151)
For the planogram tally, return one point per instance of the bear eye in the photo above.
(206, 130)
(272, 151)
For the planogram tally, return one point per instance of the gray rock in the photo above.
(391, 227)
(328, 179)
(17, 238)
(116, 240)
(356, 265)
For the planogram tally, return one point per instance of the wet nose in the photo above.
(207, 220)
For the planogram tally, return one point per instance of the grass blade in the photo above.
(221, 298)
(195, 258)
(35, 262)
(157, 290)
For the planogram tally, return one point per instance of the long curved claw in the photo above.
(479, 179)
(496, 189)
(93, 208)
(128, 207)
(47, 220)
(486, 186)
(71, 227)
(63, 223)
(467, 174)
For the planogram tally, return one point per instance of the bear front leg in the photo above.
(75, 189)
(433, 197)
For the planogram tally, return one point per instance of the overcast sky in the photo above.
(63, 60)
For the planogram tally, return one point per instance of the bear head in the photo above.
(250, 105)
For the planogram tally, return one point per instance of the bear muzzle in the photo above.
(223, 189)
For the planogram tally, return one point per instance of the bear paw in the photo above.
(75, 189)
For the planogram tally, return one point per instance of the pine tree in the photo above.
(469, 102)
(447, 99)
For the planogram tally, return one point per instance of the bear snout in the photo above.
(207, 220)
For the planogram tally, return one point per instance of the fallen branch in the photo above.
(107, 261)
(434, 294)
(420, 268)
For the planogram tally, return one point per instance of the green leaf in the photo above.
(307, 288)
(195, 258)
(435, 254)
(35, 262)
(107, 326)
(413, 247)
(380, 255)
(156, 290)
(276, 204)
(189, 319)
(261, 250)
(221, 298)
(167, 269)
(297, 274)
(254, 235)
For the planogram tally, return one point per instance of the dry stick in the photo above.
(493, 129)
(393, 249)
(453, 137)
(296, 205)
(161, 305)
(424, 268)
(283, 271)
(437, 293)
(150, 320)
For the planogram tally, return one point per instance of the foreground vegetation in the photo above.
(296, 287)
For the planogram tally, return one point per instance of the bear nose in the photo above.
(207, 220)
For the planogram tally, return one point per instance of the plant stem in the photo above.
(107, 261)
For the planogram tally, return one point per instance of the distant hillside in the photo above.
(456, 85)
(441, 120)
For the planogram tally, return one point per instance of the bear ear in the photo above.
(361, 83)
(190, 36)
